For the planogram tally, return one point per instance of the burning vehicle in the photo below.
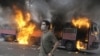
(25, 29)
(8, 32)
(10, 35)
(80, 34)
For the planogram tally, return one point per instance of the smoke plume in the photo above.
(57, 11)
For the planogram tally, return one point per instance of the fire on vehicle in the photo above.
(23, 30)
(80, 34)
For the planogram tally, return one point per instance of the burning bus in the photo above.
(23, 29)
(7, 32)
(80, 34)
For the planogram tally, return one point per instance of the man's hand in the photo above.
(55, 46)
(49, 54)
(38, 48)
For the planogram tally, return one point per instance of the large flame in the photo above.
(24, 26)
(80, 45)
(81, 22)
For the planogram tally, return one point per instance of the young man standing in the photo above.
(48, 40)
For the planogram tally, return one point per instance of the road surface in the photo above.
(15, 49)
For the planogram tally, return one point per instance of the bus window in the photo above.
(95, 29)
(70, 30)
(96, 32)
(91, 30)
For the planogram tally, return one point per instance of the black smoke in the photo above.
(59, 11)
(9, 3)
(65, 10)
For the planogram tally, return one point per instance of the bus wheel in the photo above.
(9, 38)
(69, 46)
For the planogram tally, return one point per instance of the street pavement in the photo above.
(15, 49)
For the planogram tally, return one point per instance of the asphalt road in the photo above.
(15, 49)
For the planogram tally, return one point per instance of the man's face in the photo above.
(43, 26)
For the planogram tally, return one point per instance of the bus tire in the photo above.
(9, 38)
(70, 46)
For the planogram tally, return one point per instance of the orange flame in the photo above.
(37, 33)
(80, 45)
(24, 25)
(81, 22)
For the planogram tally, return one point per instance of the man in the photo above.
(48, 40)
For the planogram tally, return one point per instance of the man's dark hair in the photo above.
(47, 23)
